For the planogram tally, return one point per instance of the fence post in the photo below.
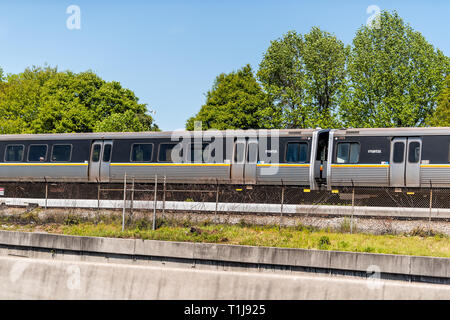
(217, 201)
(282, 202)
(124, 200)
(353, 208)
(164, 198)
(132, 196)
(431, 207)
(154, 203)
(98, 195)
(46, 192)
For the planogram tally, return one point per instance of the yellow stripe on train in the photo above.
(360, 165)
(42, 164)
(172, 164)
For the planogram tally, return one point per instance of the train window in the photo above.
(296, 152)
(37, 153)
(165, 152)
(107, 153)
(414, 152)
(348, 152)
(96, 153)
(449, 153)
(239, 152)
(252, 152)
(354, 152)
(14, 153)
(61, 152)
(197, 154)
(141, 152)
(399, 151)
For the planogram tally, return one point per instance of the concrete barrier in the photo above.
(404, 265)
(25, 278)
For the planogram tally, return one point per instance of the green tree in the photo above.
(43, 100)
(325, 59)
(125, 122)
(395, 76)
(282, 75)
(441, 118)
(235, 101)
(304, 76)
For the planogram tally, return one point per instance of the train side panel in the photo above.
(18, 166)
(368, 166)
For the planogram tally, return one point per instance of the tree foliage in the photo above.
(43, 100)
(389, 77)
(441, 118)
(234, 102)
(304, 76)
(395, 76)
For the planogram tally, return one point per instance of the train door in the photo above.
(405, 162)
(238, 161)
(252, 159)
(101, 151)
(414, 153)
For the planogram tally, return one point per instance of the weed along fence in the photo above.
(155, 197)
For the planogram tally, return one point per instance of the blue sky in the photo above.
(169, 52)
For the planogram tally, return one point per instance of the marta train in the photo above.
(313, 158)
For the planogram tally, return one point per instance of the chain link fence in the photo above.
(284, 200)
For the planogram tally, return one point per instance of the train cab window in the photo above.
(141, 152)
(14, 153)
(61, 152)
(37, 153)
(296, 152)
(399, 152)
(414, 152)
(348, 152)
(165, 152)
(106, 153)
(96, 153)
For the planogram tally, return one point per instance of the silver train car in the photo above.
(312, 158)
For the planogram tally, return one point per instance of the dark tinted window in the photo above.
(414, 152)
(252, 152)
(61, 152)
(399, 151)
(141, 152)
(348, 152)
(165, 152)
(449, 153)
(96, 153)
(197, 152)
(14, 153)
(37, 153)
(239, 152)
(354, 153)
(106, 153)
(296, 152)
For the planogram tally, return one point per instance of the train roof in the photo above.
(149, 134)
(235, 133)
(416, 131)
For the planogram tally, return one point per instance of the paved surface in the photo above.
(47, 266)
(22, 278)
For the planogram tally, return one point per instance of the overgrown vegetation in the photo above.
(420, 241)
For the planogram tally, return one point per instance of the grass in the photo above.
(418, 242)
